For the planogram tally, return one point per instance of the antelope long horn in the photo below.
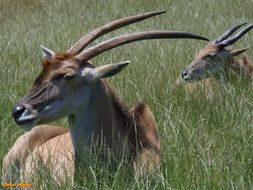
(240, 34)
(93, 35)
(229, 32)
(93, 51)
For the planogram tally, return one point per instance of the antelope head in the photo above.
(67, 79)
(63, 88)
(215, 57)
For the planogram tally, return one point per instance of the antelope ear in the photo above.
(47, 53)
(235, 52)
(104, 71)
(110, 69)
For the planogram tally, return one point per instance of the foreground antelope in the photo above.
(69, 85)
(215, 60)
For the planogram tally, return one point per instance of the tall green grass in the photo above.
(207, 143)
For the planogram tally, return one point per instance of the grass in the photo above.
(206, 143)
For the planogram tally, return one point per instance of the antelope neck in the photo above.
(98, 121)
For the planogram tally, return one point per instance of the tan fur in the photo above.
(15, 160)
(57, 154)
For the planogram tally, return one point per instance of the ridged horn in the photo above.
(229, 32)
(93, 35)
(236, 37)
(93, 51)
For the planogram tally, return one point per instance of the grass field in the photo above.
(207, 143)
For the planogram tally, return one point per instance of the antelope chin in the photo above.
(195, 78)
(190, 79)
(27, 121)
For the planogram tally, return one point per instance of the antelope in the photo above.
(69, 85)
(214, 62)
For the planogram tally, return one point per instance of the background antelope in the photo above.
(69, 85)
(217, 62)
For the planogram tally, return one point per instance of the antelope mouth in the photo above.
(195, 77)
(187, 76)
(26, 120)
(189, 79)
(24, 116)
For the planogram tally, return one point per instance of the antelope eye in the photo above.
(211, 56)
(69, 76)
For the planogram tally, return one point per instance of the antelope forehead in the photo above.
(48, 68)
(208, 50)
(196, 63)
(88, 73)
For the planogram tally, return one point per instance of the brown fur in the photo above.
(147, 136)
(209, 49)
(139, 128)
(207, 85)
(242, 65)
(49, 65)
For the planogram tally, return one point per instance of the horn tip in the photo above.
(203, 38)
(156, 12)
(243, 23)
(125, 62)
(163, 11)
(160, 12)
(122, 64)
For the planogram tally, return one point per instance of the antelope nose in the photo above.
(18, 111)
(184, 74)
